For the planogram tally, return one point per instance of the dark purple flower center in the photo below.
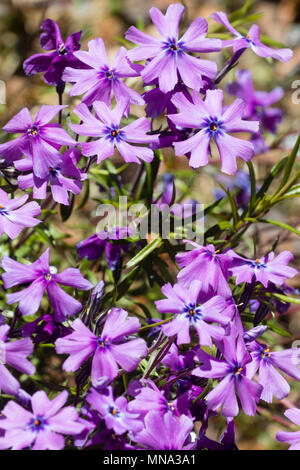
(37, 424)
(258, 264)
(114, 134)
(192, 312)
(109, 74)
(3, 211)
(113, 410)
(33, 131)
(237, 370)
(62, 49)
(213, 126)
(103, 343)
(54, 171)
(48, 276)
(172, 46)
(170, 407)
(265, 354)
(248, 39)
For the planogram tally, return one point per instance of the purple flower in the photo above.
(40, 429)
(108, 350)
(166, 432)
(292, 438)
(241, 182)
(63, 177)
(101, 79)
(257, 101)
(14, 354)
(267, 362)
(227, 441)
(205, 264)
(46, 329)
(39, 141)
(13, 217)
(54, 63)
(257, 108)
(190, 312)
(93, 246)
(43, 277)
(158, 102)
(170, 55)
(151, 398)
(252, 40)
(266, 269)
(214, 123)
(233, 374)
(114, 412)
(106, 126)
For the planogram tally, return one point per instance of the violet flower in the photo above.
(208, 265)
(45, 329)
(265, 269)
(191, 312)
(267, 362)
(108, 350)
(13, 217)
(251, 40)
(41, 277)
(14, 354)
(40, 141)
(258, 106)
(64, 177)
(234, 379)
(93, 246)
(106, 127)
(170, 55)
(101, 79)
(292, 438)
(150, 398)
(52, 64)
(166, 432)
(227, 441)
(114, 412)
(41, 428)
(213, 122)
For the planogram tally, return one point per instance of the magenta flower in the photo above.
(101, 79)
(191, 312)
(64, 177)
(215, 123)
(106, 126)
(233, 374)
(292, 438)
(43, 277)
(267, 362)
(170, 59)
(266, 269)
(150, 398)
(205, 264)
(14, 354)
(108, 350)
(252, 40)
(114, 412)
(166, 432)
(13, 217)
(54, 63)
(41, 428)
(39, 141)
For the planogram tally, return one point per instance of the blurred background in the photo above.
(20, 21)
